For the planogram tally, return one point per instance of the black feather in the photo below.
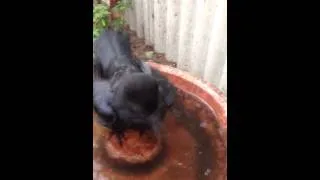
(128, 93)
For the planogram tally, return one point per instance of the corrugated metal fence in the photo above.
(192, 33)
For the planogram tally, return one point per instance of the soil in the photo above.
(133, 143)
(141, 50)
(136, 148)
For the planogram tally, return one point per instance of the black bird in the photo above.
(127, 93)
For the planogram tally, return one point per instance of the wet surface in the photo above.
(192, 148)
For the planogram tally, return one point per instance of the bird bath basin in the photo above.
(195, 136)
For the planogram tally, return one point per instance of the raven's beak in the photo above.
(155, 123)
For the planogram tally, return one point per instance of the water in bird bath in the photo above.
(193, 148)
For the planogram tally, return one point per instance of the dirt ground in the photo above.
(145, 52)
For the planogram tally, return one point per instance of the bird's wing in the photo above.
(102, 97)
(112, 44)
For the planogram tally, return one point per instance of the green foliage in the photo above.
(102, 13)
(118, 24)
(100, 18)
(121, 6)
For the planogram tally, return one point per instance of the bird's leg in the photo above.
(120, 136)
(141, 131)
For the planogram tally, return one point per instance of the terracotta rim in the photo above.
(213, 96)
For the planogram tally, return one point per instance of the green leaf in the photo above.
(101, 13)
